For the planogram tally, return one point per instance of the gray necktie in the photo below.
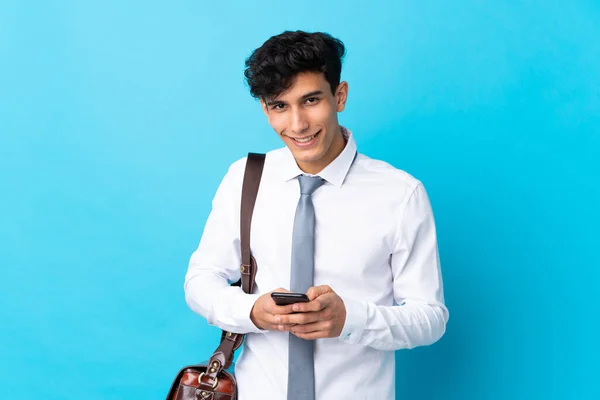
(301, 376)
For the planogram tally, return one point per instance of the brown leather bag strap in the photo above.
(252, 175)
(230, 342)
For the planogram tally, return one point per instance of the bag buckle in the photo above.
(214, 385)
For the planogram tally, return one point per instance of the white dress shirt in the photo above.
(375, 246)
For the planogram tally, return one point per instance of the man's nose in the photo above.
(299, 122)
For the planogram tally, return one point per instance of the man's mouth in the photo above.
(305, 139)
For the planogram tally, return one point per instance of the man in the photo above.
(371, 256)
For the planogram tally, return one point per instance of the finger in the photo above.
(280, 314)
(312, 335)
(274, 309)
(299, 318)
(312, 306)
(281, 322)
(324, 326)
(282, 327)
(317, 291)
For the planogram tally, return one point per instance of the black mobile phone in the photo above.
(284, 298)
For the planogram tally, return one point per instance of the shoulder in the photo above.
(394, 190)
(383, 176)
(235, 171)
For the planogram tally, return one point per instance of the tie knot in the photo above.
(308, 184)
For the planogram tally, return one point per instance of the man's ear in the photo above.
(341, 95)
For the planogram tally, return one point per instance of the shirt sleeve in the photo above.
(215, 264)
(419, 315)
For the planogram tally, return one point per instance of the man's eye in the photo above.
(312, 100)
(278, 106)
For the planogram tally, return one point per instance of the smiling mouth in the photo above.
(305, 139)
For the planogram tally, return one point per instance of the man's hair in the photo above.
(272, 68)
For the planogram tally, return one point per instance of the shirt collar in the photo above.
(334, 173)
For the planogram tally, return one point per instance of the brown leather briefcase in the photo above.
(215, 379)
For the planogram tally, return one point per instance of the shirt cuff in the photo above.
(240, 312)
(356, 321)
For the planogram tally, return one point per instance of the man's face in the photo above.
(305, 117)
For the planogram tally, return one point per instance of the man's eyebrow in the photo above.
(304, 97)
(273, 102)
(311, 94)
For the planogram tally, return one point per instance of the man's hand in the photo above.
(323, 317)
(265, 310)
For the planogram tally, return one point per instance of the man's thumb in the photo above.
(317, 291)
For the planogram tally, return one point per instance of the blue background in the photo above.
(117, 122)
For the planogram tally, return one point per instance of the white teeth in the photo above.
(306, 140)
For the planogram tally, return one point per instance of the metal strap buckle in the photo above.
(202, 383)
